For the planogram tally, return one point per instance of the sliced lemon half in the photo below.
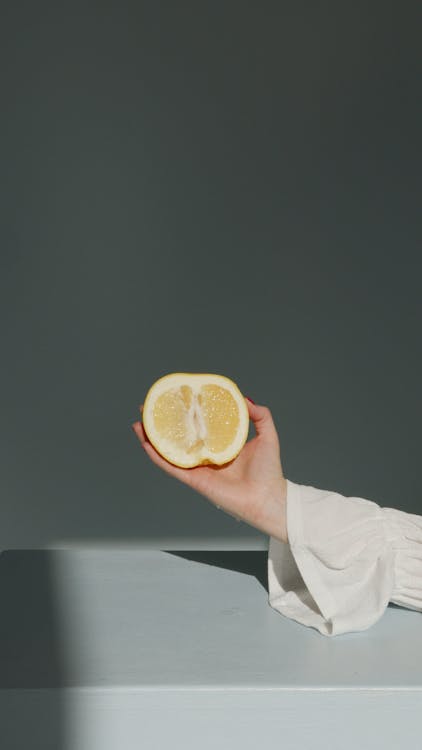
(196, 418)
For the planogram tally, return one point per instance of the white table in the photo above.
(124, 649)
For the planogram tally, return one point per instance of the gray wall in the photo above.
(221, 187)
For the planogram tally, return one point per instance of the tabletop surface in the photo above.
(161, 618)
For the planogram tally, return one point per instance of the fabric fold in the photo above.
(405, 533)
(345, 560)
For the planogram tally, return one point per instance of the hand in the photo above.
(251, 487)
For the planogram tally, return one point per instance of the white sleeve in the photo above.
(346, 559)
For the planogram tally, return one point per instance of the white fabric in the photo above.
(346, 559)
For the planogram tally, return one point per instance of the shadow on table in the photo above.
(31, 654)
(250, 562)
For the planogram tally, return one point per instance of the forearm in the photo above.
(271, 515)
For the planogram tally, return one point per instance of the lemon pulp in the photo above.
(192, 420)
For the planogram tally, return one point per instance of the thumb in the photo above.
(263, 421)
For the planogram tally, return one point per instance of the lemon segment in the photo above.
(196, 418)
(221, 416)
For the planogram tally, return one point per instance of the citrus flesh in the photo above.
(193, 419)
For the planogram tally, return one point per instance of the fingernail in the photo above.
(250, 399)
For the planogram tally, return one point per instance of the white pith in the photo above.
(196, 420)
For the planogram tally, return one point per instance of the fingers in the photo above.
(175, 471)
(262, 418)
(139, 431)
